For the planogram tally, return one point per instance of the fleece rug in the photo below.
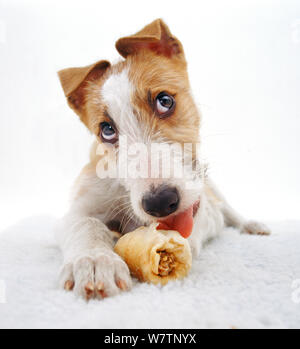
(239, 281)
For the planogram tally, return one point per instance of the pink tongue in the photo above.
(182, 222)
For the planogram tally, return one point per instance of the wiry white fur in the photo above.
(116, 93)
(85, 240)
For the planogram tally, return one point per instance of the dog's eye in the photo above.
(108, 133)
(164, 104)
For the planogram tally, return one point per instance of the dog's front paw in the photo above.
(255, 228)
(96, 277)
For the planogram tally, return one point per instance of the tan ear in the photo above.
(156, 37)
(75, 80)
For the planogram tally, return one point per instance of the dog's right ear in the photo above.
(75, 80)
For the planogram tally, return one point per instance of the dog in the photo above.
(145, 97)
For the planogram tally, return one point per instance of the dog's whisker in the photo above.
(118, 198)
(114, 202)
(131, 217)
(117, 210)
(126, 214)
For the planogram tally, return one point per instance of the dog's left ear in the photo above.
(156, 37)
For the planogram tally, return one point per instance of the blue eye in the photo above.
(108, 132)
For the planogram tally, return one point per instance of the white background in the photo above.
(244, 65)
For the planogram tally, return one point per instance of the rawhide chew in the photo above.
(155, 256)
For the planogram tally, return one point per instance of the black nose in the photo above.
(161, 202)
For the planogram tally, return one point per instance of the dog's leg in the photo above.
(234, 219)
(90, 266)
(208, 223)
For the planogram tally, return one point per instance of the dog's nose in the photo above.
(161, 202)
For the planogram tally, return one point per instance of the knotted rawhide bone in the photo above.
(155, 256)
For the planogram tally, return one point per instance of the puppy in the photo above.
(145, 99)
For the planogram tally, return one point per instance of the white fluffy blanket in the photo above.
(239, 281)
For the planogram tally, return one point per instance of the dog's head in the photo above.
(147, 99)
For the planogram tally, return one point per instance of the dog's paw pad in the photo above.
(69, 285)
(100, 290)
(122, 285)
(255, 228)
(89, 290)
